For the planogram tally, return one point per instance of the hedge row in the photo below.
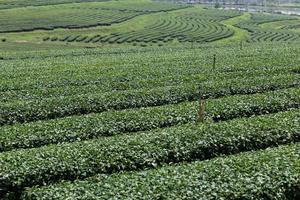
(268, 35)
(160, 64)
(27, 111)
(116, 83)
(15, 3)
(25, 168)
(189, 27)
(83, 15)
(32, 88)
(270, 174)
(273, 36)
(116, 122)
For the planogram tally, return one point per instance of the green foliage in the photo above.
(190, 26)
(259, 34)
(8, 4)
(74, 111)
(91, 14)
(26, 111)
(217, 5)
(116, 122)
(79, 82)
(265, 18)
(26, 168)
(269, 174)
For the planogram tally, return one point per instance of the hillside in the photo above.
(141, 99)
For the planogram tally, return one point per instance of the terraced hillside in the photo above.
(67, 15)
(140, 23)
(270, 33)
(166, 102)
(187, 26)
(79, 113)
(8, 4)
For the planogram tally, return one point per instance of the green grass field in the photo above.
(145, 99)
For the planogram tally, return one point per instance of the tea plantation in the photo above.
(145, 99)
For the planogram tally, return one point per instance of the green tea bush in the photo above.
(26, 168)
(270, 174)
(116, 122)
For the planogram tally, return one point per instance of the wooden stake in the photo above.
(214, 62)
(201, 111)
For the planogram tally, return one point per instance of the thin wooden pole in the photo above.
(214, 62)
(201, 111)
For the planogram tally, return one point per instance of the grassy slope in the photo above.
(8, 4)
(239, 34)
(136, 24)
(281, 25)
(35, 38)
(94, 63)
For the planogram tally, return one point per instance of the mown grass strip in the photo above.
(110, 123)
(26, 168)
